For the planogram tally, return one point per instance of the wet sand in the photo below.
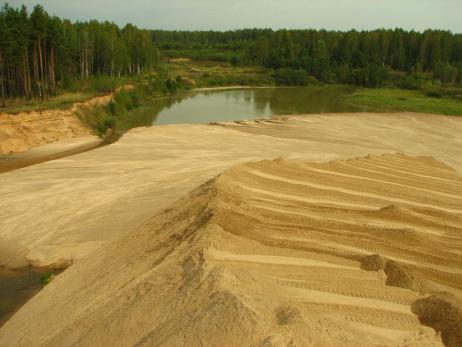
(48, 152)
(16, 288)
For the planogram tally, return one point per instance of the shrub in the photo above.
(46, 278)
(112, 107)
(171, 85)
(107, 123)
(103, 84)
(433, 93)
(291, 77)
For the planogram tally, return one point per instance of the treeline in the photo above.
(39, 53)
(366, 58)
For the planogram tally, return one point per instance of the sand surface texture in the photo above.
(59, 211)
(273, 253)
(23, 131)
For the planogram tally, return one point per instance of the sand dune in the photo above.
(57, 212)
(273, 253)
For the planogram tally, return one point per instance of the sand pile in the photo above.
(270, 253)
(57, 212)
(443, 313)
(23, 131)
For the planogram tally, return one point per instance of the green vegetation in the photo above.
(291, 77)
(62, 101)
(41, 55)
(47, 62)
(199, 74)
(77, 91)
(206, 54)
(387, 100)
(101, 118)
(120, 112)
(46, 278)
(367, 58)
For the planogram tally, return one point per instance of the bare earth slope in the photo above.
(59, 211)
(23, 131)
(273, 253)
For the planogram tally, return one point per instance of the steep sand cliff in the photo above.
(273, 253)
(23, 131)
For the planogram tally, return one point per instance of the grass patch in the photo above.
(203, 54)
(63, 101)
(396, 100)
(215, 74)
(46, 278)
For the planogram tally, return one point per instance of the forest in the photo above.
(41, 54)
(367, 58)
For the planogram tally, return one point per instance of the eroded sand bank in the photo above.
(24, 131)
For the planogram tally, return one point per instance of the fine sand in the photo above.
(185, 235)
(54, 150)
(273, 253)
(59, 211)
(24, 131)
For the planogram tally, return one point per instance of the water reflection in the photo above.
(239, 104)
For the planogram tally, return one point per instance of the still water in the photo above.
(239, 104)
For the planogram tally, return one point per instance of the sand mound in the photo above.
(77, 204)
(373, 262)
(266, 254)
(399, 275)
(444, 314)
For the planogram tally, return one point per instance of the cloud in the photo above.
(224, 14)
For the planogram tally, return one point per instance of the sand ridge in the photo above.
(57, 212)
(230, 266)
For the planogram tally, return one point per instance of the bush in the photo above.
(433, 93)
(122, 100)
(103, 84)
(291, 77)
(171, 85)
(413, 81)
(112, 107)
(46, 278)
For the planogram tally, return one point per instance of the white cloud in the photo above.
(226, 14)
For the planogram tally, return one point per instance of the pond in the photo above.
(16, 287)
(239, 104)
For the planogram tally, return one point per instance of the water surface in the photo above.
(16, 287)
(239, 104)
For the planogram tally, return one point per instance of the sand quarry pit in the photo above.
(29, 130)
(204, 236)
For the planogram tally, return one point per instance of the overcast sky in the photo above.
(235, 14)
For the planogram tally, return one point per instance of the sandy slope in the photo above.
(50, 151)
(273, 253)
(23, 131)
(55, 212)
